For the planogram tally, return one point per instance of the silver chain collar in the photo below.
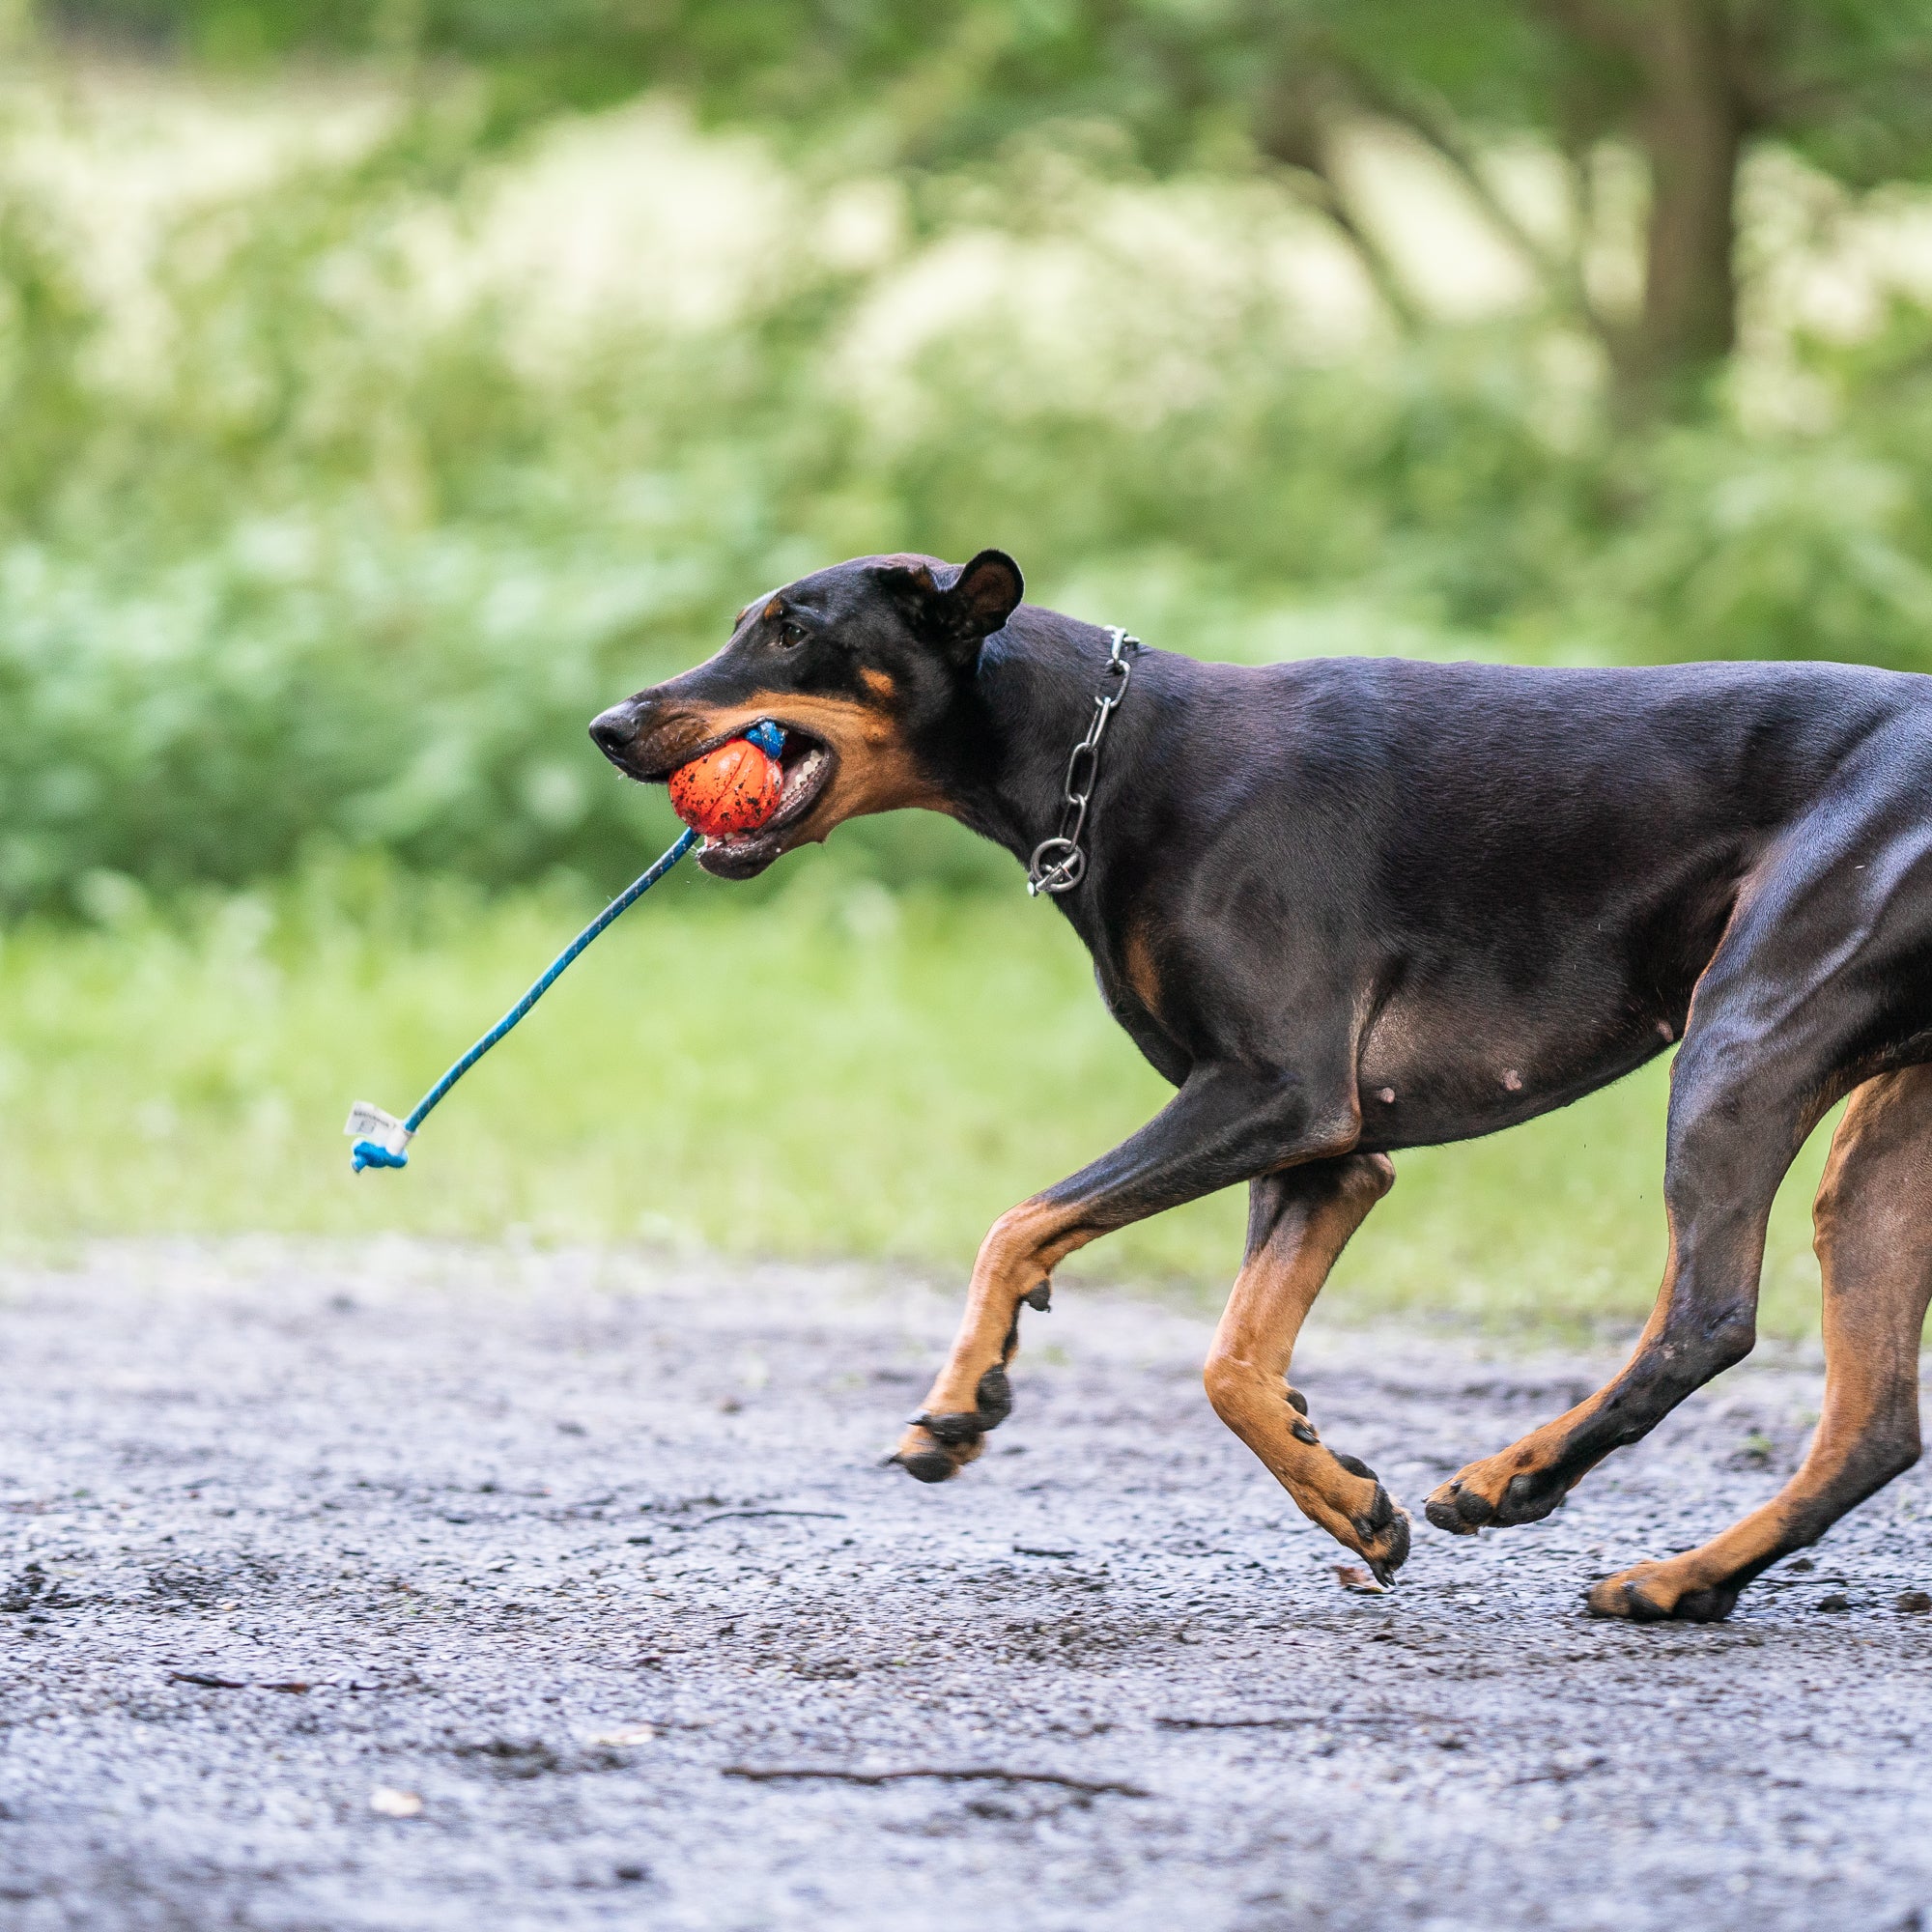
(1059, 862)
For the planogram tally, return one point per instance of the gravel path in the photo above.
(422, 1587)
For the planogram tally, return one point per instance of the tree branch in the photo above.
(1291, 128)
(1317, 190)
(1561, 269)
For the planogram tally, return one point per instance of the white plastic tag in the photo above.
(367, 1121)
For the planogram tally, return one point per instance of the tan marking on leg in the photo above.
(1246, 1370)
(1142, 974)
(1872, 1226)
(1018, 1255)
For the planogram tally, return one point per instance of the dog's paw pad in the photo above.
(927, 1466)
(993, 1399)
(1460, 1511)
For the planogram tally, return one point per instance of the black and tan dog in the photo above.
(1353, 906)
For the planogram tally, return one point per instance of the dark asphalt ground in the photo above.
(562, 1545)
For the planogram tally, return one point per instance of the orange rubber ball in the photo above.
(733, 788)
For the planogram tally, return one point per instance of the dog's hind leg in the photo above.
(1299, 1222)
(1730, 1145)
(1873, 1221)
(1757, 1069)
(1819, 981)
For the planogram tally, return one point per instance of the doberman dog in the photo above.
(1356, 905)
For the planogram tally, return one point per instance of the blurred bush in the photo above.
(340, 567)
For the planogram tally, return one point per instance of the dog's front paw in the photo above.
(1382, 1533)
(939, 1445)
(927, 1459)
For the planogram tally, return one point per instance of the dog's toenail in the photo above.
(927, 1466)
(1355, 1467)
(1040, 1298)
(1297, 1401)
(1302, 1432)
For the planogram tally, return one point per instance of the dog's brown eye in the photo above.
(790, 633)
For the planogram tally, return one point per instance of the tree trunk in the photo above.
(1693, 127)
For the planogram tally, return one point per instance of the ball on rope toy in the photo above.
(732, 788)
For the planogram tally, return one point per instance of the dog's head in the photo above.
(859, 664)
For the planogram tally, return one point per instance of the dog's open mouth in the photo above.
(808, 763)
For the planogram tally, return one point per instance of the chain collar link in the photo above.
(1059, 862)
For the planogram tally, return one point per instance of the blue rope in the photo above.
(770, 740)
(372, 1153)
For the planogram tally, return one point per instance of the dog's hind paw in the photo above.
(1460, 1512)
(1647, 1593)
(1472, 1500)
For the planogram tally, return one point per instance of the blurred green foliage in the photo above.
(346, 573)
(1689, 87)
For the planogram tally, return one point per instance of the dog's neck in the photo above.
(1030, 701)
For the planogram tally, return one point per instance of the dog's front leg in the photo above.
(1298, 1223)
(1226, 1123)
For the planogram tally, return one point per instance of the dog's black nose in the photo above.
(613, 730)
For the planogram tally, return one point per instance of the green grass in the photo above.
(825, 1070)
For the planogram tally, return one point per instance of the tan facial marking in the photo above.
(876, 771)
(775, 610)
(877, 683)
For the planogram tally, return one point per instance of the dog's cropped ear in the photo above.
(984, 595)
(958, 608)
